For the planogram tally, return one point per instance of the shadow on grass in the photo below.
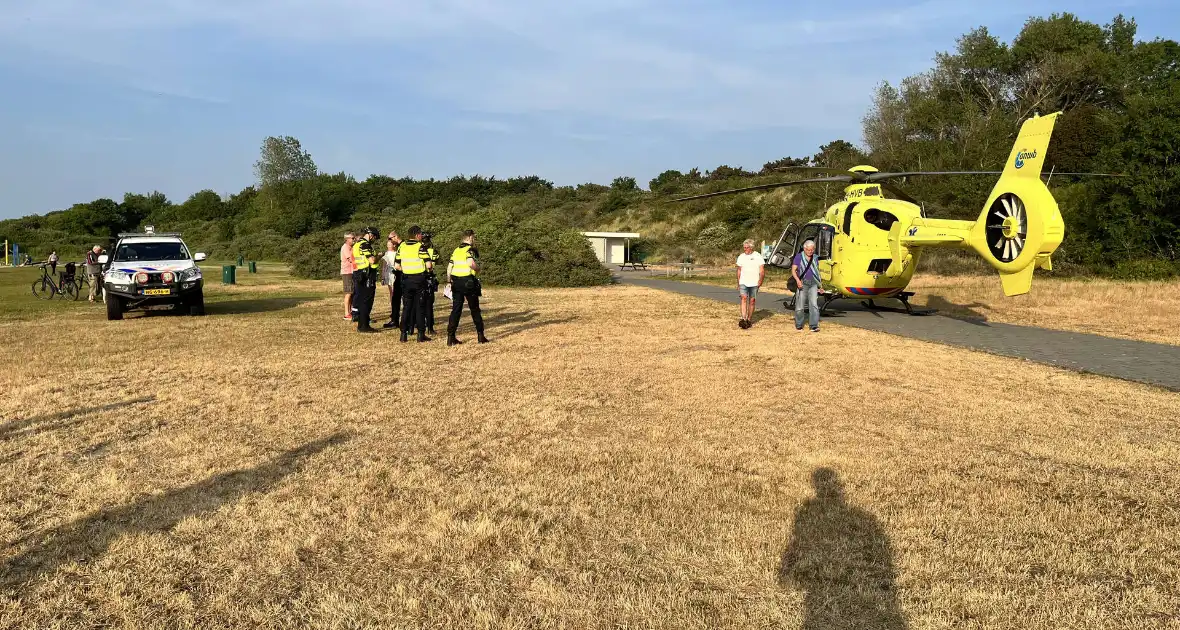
(62, 419)
(962, 312)
(840, 556)
(256, 305)
(760, 315)
(87, 538)
(500, 323)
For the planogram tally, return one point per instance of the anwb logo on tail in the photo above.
(1021, 156)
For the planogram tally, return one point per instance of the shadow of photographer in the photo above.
(840, 556)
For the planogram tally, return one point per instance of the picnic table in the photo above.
(634, 264)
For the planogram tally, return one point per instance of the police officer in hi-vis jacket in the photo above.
(413, 260)
(462, 273)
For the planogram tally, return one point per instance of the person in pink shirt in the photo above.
(347, 266)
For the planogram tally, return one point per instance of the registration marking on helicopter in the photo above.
(871, 191)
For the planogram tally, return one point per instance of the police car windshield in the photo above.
(151, 251)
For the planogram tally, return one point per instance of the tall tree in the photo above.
(283, 160)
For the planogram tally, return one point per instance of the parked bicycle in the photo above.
(67, 285)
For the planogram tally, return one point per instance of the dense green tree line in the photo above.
(1121, 99)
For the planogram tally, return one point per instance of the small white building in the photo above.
(612, 248)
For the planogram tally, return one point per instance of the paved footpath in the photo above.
(1141, 361)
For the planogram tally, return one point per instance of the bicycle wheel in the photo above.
(43, 289)
(71, 290)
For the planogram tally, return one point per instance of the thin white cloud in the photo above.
(485, 125)
(706, 66)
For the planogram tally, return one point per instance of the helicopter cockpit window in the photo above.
(808, 233)
(823, 245)
(880, 219)
(821, 235)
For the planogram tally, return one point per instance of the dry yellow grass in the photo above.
(617, 457)
(1132, 310)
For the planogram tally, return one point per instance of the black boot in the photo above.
(423, 338)
(452, 340)
(481, 338)
(390, 324)
(405, 337)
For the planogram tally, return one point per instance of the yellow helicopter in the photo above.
(868, 245)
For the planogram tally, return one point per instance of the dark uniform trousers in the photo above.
(428, 301)
(413, 302)
(395, 300)
(364, 290)
(464, 288)
(430, 289)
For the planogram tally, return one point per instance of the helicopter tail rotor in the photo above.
(1020, 226)
(1018, 229)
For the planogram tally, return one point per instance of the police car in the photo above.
(152, 270)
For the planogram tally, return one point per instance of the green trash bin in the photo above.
(241, 261)
(229, 274)
(253, 266)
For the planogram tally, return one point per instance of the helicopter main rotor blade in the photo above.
(876, 176)
(1085, 174)
(899, 193)
(821, 169)
(841, 179)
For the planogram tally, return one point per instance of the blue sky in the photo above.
(101, 97)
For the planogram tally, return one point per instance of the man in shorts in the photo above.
(347, 266)
(751, 272)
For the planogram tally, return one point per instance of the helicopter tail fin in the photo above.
(1020, 226)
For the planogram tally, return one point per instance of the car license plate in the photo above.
(157, 291)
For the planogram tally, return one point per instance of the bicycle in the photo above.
(45, 288)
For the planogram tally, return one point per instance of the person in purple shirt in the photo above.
(805, 268)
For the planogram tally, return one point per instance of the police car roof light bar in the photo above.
(147, 234)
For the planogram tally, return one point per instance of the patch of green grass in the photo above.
(252, 292)
(17, 300)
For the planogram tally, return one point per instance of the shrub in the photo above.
(953, 262)
(1143, 269)
(714, 237)
(264, 245)
(613, 202)
(536, 253)
(316, 255)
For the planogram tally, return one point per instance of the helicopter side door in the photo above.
(823, 249)
(822, 235)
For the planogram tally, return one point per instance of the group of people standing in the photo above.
(804, 270)
(407, 270)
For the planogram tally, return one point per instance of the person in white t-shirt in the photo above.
(751, 272)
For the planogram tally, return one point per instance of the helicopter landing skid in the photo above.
(826, 300)
(904, 298)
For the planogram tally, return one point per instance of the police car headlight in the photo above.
(190, 274)
(115, 277)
